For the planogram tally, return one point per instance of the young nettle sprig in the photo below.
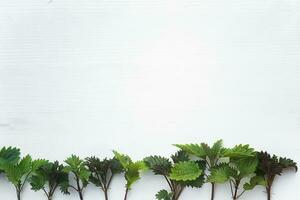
(179, 173)
(48, 178)
(241, 165)
(102, 172)
(210, 155)
(268, 168)
(81, 174)
(132, 170)
(18, 173)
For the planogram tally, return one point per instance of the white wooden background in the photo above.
(89, 76)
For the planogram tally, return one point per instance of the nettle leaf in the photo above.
(132, 169)
(288, 163)
(245, 166)
(254, 181)
(10, 155)
(211, 154)
(125, 160)
(12, 172)
(64, 186)
(164, 195)
(132, 173)
(37, 182)
(221, 173)
(77, 166)
(180, 156)
(197, 183)
(115, 166)
(239, 151)
(214, 152)
(271, 166)
(159, 165)
(194, 149)
(51, 175)
(19, 172)
(38, 163)
(102, 171)
(74, 164)
(185, 171)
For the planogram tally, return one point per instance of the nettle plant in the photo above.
(102, 172)
(179, 172)
(48, 178)
(19, 172)
(81, 174)
(269, 167)
(237, 170)
(212, 156)
(192, 166)
(132, 170)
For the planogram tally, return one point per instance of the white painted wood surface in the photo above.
(89, 76)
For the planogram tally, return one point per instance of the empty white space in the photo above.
(89, 76)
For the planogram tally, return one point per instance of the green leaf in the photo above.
(132, 173)
(132, 169)
(102, 171)
(10, 155)
(125, 160)
(221, 173)
(164, 195)
(38, 163)
(25, 165)
(77, 166)
(115, 166)
(49, 174)
(64, 186)
(246, 166)
(239, 151)
(159, 165)
(197, 183)
(38, 182)
(288, 163)
(254, 181)
(185, 171)
(18, 173)
(194, 149)
(217, 147)
(211, 154)
(180, 156)
(74, 164)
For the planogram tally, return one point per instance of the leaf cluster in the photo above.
(49, 177)
(103, 171)
(271, 166)
(77, 167)
(240, 166)
(179, 172)
(131, 169)
(19, 172)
